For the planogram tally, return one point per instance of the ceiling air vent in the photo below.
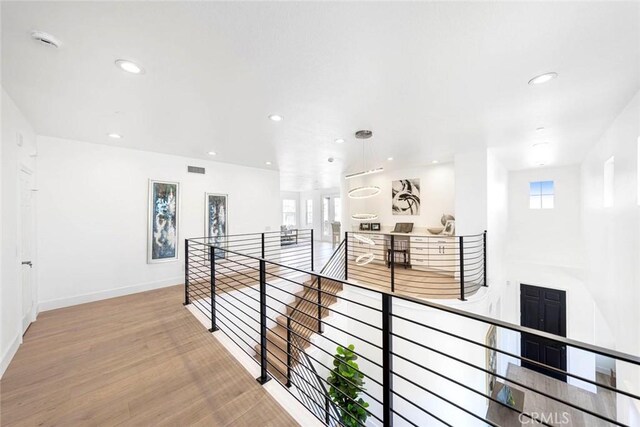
(195, 169)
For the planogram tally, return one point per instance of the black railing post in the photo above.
(484, 256)
(392, 256)
(319, 305)
(288, 351)
(262, 245)
(326, 408)
(312, 263)
(387, 361)
(346, 255)
(186, 271)
(461, 251)
(264, 377)
(212, 280)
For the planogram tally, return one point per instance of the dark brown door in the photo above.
(546, 310)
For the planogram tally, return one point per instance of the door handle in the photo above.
(29, 263)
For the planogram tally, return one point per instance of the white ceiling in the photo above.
(429, 79)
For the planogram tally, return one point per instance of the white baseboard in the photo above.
(106, 294)
(8, 355)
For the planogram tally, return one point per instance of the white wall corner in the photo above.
(8, 355)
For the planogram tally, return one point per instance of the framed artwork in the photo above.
(375, 226)
(216, 206)
(449, 228)
(365, 226)
(491, 340)
(405, 197)
(162, 235)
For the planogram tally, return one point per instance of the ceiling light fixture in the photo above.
(364, 239)
(435, 162)
(268, 163)
(114, 135)
(364, 216)
(390, 159)
(276, 117)
(129, 66)
(540, 129)
(339, 141)
(45, 38)
(212, 153)
(543, 78)
(364, 192)
(363, 173)
(365, 259)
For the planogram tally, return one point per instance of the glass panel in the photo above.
(546, 188)
(535, 202)
(309, 211)
(325, 217)
(337, 209)
(534, 188)
(547, 202)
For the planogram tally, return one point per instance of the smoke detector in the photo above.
(364, 134)
(45, 38)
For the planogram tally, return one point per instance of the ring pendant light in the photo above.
(364, 192)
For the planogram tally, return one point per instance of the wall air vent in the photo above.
(195, 169)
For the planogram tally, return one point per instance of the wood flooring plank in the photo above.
(141, 359)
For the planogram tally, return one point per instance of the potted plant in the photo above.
(346, 383)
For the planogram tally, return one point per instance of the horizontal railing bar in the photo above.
(540, 392)
(420, 408)
(458, 383)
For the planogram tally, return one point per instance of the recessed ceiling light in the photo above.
(129, 67)
(540, 129)
(212, 153)
(276, 117)
(114, 135)
(435, 162)
(267, 163)
(390, 158)
(543, 78)
(339, 141)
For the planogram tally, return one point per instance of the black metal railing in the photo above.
(442, 267)
(423, 363)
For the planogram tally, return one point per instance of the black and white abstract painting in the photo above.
(216, 220)
(405, 195)
(163, 221)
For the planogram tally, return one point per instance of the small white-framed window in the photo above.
(608, 184)
(541, 195)
(289, 212)
(309, 212)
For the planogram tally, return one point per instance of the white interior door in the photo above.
(331, 212)
(26, 249)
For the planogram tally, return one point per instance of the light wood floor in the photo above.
(418, 283)
(141, 359)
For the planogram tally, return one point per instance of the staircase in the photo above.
(302, 316)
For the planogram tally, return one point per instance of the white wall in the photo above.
(471, 191)
(437, 194)
(94, 208)
(13, 158)
(612, 241)
(550, 237)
